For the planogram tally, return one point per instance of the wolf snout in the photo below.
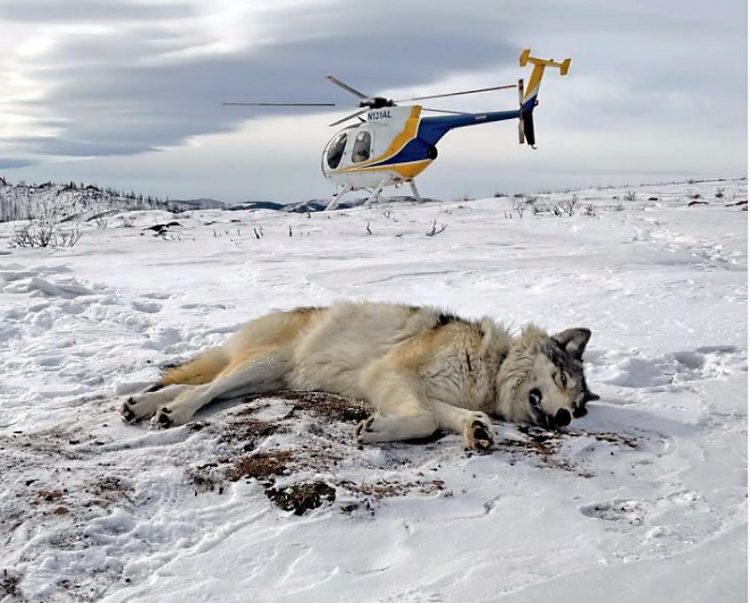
(562, 417)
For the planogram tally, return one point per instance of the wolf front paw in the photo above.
(363, 428)
(478, 433)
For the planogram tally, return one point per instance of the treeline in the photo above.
(26, 201)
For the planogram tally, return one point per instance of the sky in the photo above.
(128, 93)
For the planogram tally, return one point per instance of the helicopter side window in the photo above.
(336, 151)
(361, 150)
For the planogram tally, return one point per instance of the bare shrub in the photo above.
(44, 230)
(630, 196)
(435, 230)
(590, 210)
(569, 206)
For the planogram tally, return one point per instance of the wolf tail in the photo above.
(528, 97)
(201, 370)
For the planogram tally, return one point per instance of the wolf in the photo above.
(420, 368)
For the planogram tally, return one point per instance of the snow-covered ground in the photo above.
(645, 499)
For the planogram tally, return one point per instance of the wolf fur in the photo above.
(421, 370)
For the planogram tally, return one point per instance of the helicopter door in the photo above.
(362, 147)
(336, 151)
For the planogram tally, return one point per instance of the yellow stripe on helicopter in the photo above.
(406, 170)
(399, 142)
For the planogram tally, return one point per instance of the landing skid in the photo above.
(414, 191)
(374, 194)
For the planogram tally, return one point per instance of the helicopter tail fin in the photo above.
(529, 98)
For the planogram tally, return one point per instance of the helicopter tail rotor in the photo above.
(527, 99)
(525, 120)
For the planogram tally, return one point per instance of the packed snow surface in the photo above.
(269, 499)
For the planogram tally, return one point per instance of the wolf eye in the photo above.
(535, 397)
(563, 379)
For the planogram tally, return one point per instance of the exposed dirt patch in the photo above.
(206, 478)
(545, 445)
(301, 497)
(261, 466)
(50, 495)
(613, 438)
(109, 489)
(330, 407)
(385, 489)
(9, 585)
(312, 433)
(246, 430)
(539, 443)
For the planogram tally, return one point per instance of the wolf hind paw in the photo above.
(167, 417)
(162, 419)
(129, 411)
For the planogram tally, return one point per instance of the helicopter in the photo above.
(395, 143)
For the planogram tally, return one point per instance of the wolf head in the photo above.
(541, 380)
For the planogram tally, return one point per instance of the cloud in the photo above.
(86, 11)
(127, 94)
(8, 164)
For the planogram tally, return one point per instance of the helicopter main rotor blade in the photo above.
(348, 117)
(445, 111)
(346, 87)
(282, 104)
(416, 98)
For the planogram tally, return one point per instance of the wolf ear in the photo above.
(573, 341)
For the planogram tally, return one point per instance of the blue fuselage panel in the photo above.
(432, 129)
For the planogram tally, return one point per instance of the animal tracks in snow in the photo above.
(632, 512)
(672, 370)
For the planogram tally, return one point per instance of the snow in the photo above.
(644, 499)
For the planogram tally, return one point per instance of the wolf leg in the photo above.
(394, 428)
(142, 406)
(475, 426)
(402, 409)
(258, 374)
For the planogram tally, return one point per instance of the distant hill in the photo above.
(80, 201)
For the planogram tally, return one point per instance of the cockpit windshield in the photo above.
(336, 151)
